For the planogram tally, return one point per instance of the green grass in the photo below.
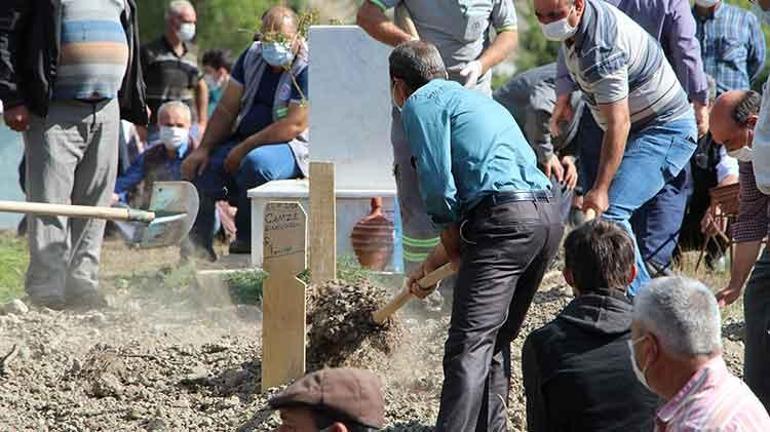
(13, 264)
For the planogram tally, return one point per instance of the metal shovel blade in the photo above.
(175, 204)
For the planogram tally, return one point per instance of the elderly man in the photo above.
(480, 184)
(656, 224)
(332, 400)
(733, 121)
(634, 96)
(170, 66)
(259, 130)
(67, 76)
(163, 161)
(676, 352)
(530, 97)
(575, 367)
(460, 31)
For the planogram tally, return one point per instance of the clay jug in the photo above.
(372, 238)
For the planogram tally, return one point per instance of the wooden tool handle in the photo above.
(380, 315)
(45, 209)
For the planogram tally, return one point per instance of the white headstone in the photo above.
(350, 107)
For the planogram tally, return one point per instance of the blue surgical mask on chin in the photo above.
(277, 54)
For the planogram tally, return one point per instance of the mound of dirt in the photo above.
(340, 327)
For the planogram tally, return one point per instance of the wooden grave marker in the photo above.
(323, 223)
(283, 303)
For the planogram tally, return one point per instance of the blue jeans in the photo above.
(261, 165)
(654, 156)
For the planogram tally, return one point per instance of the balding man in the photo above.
(170, 65)
(258, 132)
(733, 119)
(676, 351)
(634, 96)
(461, 32)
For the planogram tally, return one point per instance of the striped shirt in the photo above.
(715, 401)
(94, 50)
(612, 58)
(170, 76)
(753, 222)
(732, 46)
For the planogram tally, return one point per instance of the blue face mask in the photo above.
(277, 54)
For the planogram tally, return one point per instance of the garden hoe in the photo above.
(172, 212)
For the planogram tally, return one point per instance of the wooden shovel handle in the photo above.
(45, 209)
(380, 315)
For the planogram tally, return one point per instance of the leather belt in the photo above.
(499, 198)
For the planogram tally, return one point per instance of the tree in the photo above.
(227, 24)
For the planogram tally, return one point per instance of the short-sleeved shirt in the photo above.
(261, 113)
(94, 50)
(613, 58)
(753, 221)
(458, 28)
(170, 77)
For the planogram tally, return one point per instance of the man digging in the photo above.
(500, 225)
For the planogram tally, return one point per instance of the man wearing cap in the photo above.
(332, 400)
(461, 32)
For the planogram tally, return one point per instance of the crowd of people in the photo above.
(647, 107)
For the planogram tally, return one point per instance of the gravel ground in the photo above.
(178, 366)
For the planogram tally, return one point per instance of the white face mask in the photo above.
(640, 374)
(706, 3)
(743, 154)
(173, 137)
(558, 31)
(186, 32)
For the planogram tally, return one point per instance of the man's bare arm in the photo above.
(284, 130)
(202, 102)
(373, 20)
(220, 125)
(614, 142)
(501, 48)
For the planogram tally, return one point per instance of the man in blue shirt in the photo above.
(259, 130)
(499, 223)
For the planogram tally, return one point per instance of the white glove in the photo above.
(471, 72)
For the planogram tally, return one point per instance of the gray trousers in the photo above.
(72, 158)
(506, 251)
(756, 308)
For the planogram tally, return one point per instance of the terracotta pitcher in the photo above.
(372, 238)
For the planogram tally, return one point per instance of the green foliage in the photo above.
(227, 24)
(246, 287)
(13, 265)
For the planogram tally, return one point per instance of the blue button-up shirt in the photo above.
(465, 146)
(162, 167)
(732, 46)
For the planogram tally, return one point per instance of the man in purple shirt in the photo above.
(734, 118)
(656, 223)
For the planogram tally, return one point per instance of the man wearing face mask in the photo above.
(460, 29)
(171, 71)
(634, 96)
(216, 66)
(161, 162)
(258, 132)
(676, 351)
(733, 121)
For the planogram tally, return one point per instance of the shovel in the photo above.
(172, 212)
(381, 315)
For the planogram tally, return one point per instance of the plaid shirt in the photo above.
(732, 46)
(753, 222)
(713, 400)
